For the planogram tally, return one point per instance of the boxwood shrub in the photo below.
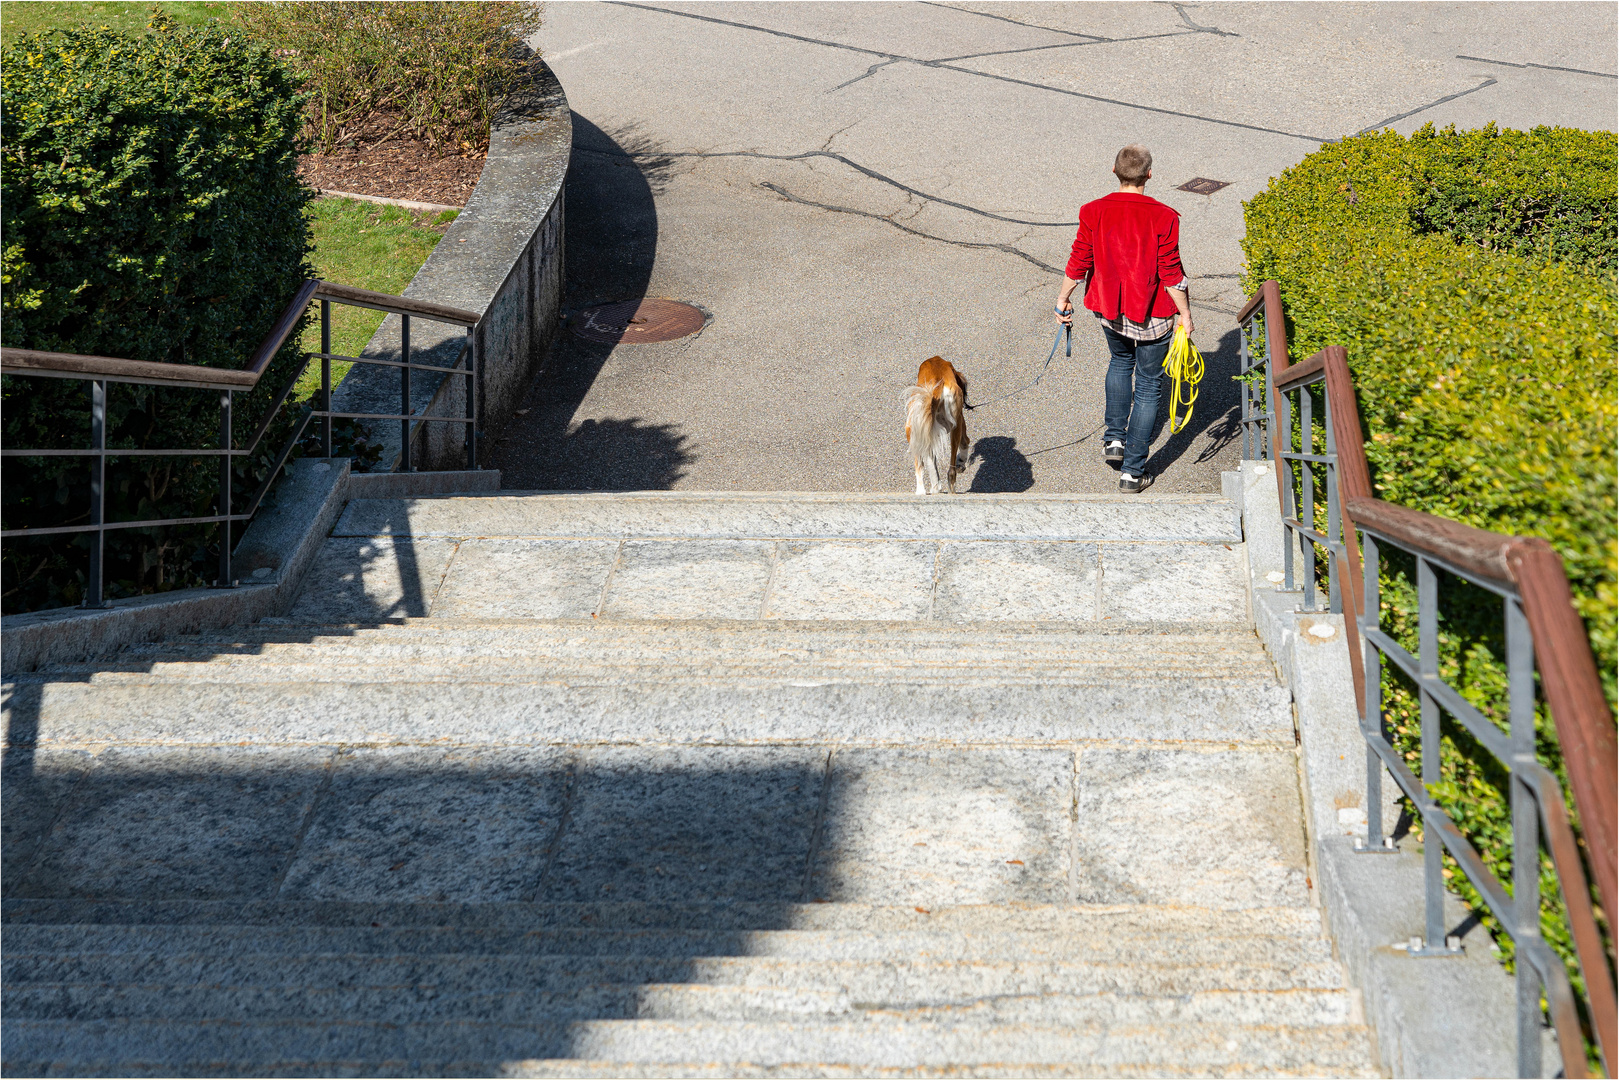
(1471, 276)
(152, 211)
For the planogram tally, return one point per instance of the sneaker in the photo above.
(1130, 485)
(1113, 452)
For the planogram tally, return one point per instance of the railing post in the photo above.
(1245, 365)
(1268, 431)
(1525, 830)
(225, 469)
(326, 377)
(1433, 849)
(404, 394)
(1306, 515)
(98, 491)
(1335, 538)
(1371, 721)
(472, 398)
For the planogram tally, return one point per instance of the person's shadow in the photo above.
(1002, 467)
(1215, 416)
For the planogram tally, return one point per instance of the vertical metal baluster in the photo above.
(225, 470)
(1307, 493)
(1281, 436)
(472, 399)
(1268, 438)
(404, 394)
(1371, 722)
(1246, 367)
(1336, 545)
(1433, 850)
(479, 336)
(98, 491)
(1525, 832)
(326, 377)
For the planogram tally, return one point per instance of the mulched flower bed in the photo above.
(400, 169)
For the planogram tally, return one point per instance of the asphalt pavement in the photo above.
(850, 188)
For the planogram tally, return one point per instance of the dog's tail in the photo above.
(930, 415)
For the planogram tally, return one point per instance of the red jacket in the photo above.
(1131, 245)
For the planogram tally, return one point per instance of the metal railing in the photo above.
(1541, 629)
(103, 371)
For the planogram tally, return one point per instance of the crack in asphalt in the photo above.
(873, 174)
(944, 65)
(1543, 67)
(1381, 124)
(1180, 9)
(1014, 22)
(1008, 248)
(1060, 45)
(872, 70)
(855, 165)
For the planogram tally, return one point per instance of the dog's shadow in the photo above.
(1002, 466)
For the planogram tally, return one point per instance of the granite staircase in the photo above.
(677, 784)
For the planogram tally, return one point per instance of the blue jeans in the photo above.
(1130, 416)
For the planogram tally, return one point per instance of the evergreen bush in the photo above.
(152, 211)
(1471, 276)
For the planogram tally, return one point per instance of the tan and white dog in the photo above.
(936, 425)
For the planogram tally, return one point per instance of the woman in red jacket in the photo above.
(1128, 247)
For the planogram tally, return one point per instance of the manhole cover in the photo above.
(1202, 185)
(637, 322)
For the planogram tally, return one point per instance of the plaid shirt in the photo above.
(1151, 330)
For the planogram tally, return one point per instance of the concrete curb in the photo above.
(271, 560)
(502, 257)
(408, 204)
(1435, 1017)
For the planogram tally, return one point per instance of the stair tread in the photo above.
(703, 915)
(873, 1040)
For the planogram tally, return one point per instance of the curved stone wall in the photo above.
(503, 257)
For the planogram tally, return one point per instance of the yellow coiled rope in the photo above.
(1184, 366)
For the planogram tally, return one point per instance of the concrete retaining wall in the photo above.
(501, 257)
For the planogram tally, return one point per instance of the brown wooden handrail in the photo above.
(114, 369)
(1568, 673)
(398, 305)
(1527, 566)
(77, 366)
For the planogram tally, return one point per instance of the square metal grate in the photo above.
(1202, 185)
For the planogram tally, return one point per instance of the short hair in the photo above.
(1132, 164)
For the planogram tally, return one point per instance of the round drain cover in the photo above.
(637, 322)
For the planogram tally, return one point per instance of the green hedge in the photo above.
(151, 211)
(1471, 277)
(1546, 194)
(1486, 380)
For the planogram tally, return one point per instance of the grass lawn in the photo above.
(18, 18)
(370, 246)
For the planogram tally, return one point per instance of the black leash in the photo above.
(1068, 350)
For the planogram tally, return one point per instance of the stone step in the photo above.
(874, 1041)
(416, 1003)
(797, 515)
(631, 1070)
(907, 980)
(799, 710)
(1081, 919)
(698, 648)
(573, 1067)
(888, 945)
